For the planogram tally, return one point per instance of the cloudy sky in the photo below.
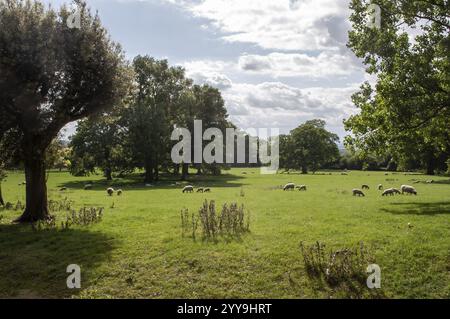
(277, 62)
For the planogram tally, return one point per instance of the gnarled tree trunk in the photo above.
(36, 207)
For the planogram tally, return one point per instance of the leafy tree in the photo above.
(309, 147)
(407, 113)
(50, 75)
(98, 142)
(57, 155)
(152, 113)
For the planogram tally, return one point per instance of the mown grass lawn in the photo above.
(137, 251)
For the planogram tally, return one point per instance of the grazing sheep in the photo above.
(110, 191)
(207, 190)
(290, 186)
(365, 187)
(119, 192)
(200, 190)
(430, 181)
(302, 188)
(396, 191)
(408, 190)
(88, 187)
(358, 192)
(380, 187)
(188, 189)
(389, 192)
(63, 189)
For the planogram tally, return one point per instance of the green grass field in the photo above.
(137, 251)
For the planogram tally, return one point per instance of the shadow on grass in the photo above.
(420, 209)
(135, 182)
(33, 263)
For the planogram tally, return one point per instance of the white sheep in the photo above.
(188, 189)
(408, 189)
(358, 192)
(396, 191)
(380, 187)
(302, 188)
(119, 192)
(290, 186)
(365, 187)
(389, 192)
(200, 190)
(207, 190)
(110, 191)
(88, 187)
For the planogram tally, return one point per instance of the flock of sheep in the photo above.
(404, 189)
(190, 189)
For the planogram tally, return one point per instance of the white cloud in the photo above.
(274, 104)
(290, 65)
(280, 25)
(209, 72)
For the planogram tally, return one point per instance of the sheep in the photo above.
(119, 192)
(396, 191)
(430, 181)
(389, 192)
(380, 187)
(188, 189)
(365, 187)
(200, 190)
(302, 188)
(88, 187)
(207, 190)
(290, 186)
(408, 189)
(110, 191)
(358, 192)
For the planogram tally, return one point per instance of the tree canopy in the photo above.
(407, 112)
(50, 75)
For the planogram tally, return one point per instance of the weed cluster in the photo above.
(232, 221)
(336, 266)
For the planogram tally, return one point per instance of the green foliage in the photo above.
(407, 113)
(51, 75)
(308, 147)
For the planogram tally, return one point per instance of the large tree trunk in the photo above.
(149, 178)
(36, 189)
(431, 164)
(108, 174)
(2, 202)
(304, 170)
(184, 172)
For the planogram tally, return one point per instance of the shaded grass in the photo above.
(137, 251)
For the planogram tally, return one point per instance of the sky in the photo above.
(278, 63)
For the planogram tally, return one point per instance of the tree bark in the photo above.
(108, 174)
(184, 172)
(304, 170)
(36, 207)
(149, 178)
(2, 202)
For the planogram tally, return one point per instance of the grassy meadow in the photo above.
(137, 250)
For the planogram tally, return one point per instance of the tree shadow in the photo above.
(33, 263)
(135, 182)
(420, 209)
